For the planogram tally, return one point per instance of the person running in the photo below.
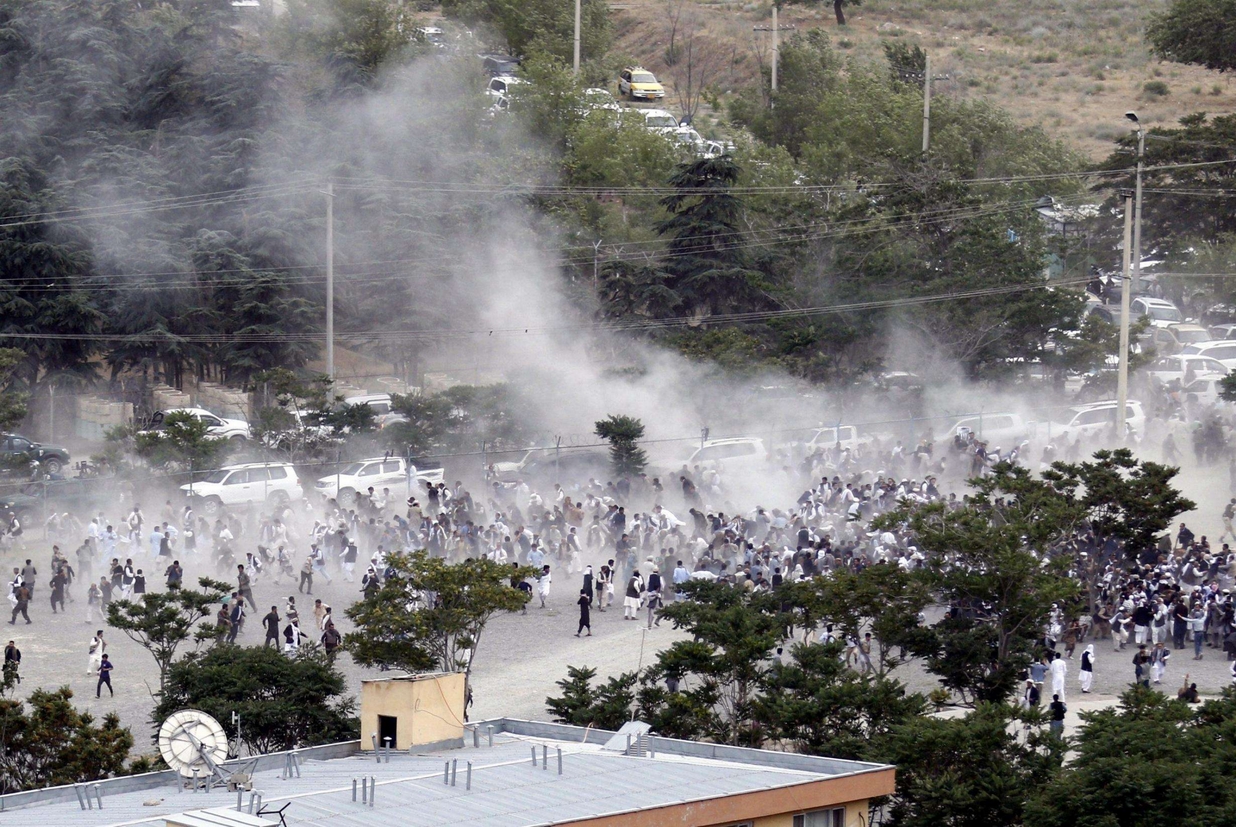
(96, 650)
(105, 677)
(1058, 709)
(12, 662)
(543, 584)
(21, 603)
(585, 613)
(271, 622)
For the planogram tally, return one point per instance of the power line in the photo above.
(629, 325)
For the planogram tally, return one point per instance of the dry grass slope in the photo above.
(1072, 66)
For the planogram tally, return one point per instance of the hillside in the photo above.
(1073, 68)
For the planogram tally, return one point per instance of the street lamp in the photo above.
(1137, 204)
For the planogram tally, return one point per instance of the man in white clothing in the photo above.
(1058, 671)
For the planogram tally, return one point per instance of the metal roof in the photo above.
(507, 789)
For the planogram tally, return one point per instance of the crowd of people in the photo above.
(634, 540)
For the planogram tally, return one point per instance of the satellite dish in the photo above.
(193, 743)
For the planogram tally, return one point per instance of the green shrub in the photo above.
(1155, 89)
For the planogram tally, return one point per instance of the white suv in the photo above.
(216, 426)
(378, 473)
(254, 483)
(1096, 418)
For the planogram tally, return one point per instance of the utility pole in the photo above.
(776, 46)
(330, 280)
(926, 103)
(578, 11)
(596, 265)
(775, 28)
(1136, 282)
(1122, 375)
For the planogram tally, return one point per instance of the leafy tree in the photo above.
(530, 26)
(12, 402)
(724, 664)
(990, 561)
(463, 418)
(623, 434)
(973, 771)
(355, 39)
(907, 62)
(881, 599)
(820, 706)
(1113, 779)
(430, 615)
(1202, 32)
(182, 441)
(283, 702)
(1123, 498)
(604, 706)
(162, 622)
(704, 257)
(55, 744)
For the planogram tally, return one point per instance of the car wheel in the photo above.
(346, 498)
(52, 465)
(211, 506)
(277, 499)
(236, 440)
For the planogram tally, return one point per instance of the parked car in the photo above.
(1227, 330)
(847, 436)
(596, 98)
(433, 36)
(1222, 350)
(566, 465)
(272, 484)
(1175, 337)
(1208, 390)
(733, 454)
(1184, 367)
(216, 426)
(378, 472)
(659, 120)
(1096, 418)
(500, 64)
(501, 86)
(637, 83)
(1161, 312)
(15, 449)
(996, 429)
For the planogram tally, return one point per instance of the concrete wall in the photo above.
(231, 403)
(428, 709)
(95, 415)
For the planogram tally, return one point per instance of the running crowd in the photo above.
(634, 541)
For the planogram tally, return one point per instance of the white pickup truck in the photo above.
(377, 473)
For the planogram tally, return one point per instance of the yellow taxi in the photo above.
(638, 83)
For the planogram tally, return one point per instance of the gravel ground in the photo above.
(521, 656)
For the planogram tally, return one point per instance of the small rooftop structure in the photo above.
(502, 773)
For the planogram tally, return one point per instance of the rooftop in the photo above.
(515, 782)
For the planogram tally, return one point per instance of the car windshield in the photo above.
(642, 77)
(1064, 417)
(1192, 336)
(658, 121)
(351, 469)
(1164, 314)
(217, 476)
